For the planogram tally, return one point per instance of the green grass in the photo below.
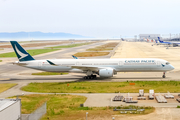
(0, 60)
(72, 45)
(104, 87)
(67, 107)
(99, 49)
(108, 47)
(49, 73)
(6, 86)
(90, 54)
(31, 52)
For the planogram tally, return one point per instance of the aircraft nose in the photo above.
(172, 68)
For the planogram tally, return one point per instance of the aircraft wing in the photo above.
(84, 68)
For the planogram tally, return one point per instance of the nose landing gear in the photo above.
(164, 75)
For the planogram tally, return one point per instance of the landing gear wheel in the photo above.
(89, 77)
(164, 76)
(94, 76)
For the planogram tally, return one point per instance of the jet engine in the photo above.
(106, 72)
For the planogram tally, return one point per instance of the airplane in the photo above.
(147, 40)
(169, 43)
(91, 67)
(162, 42)
(155, 42)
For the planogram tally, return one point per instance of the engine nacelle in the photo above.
(106, 72)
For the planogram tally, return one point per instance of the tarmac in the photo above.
(15, 74)
(10, 71)
(146, 50)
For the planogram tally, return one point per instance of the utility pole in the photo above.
(135, 37)
(86, 115)
(170, 36)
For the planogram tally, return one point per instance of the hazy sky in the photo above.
(95, 18)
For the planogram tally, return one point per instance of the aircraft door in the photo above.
(158, 63)
(40, 64)
(120, 63)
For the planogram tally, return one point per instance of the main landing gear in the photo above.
(90, 77)
(164, 75)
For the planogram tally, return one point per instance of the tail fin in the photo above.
(20, 52)
(159, 39)
(74, 57)
(156, 41)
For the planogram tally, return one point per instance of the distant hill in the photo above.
(37, 36)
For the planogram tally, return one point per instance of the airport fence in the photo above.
(38, 113)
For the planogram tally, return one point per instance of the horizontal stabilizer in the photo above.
(20, 52)
(51, 63)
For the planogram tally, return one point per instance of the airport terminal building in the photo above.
(148, 36)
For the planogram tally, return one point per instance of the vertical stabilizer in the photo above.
(20, 52)
(159, 40)
(74, 57)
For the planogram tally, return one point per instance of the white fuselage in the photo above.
(119, 65)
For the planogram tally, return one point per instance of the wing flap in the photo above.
(85, 68)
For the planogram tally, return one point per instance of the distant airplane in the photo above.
(169, 43)
(91, 67)
(155, 42)
(147, 40)
(162, 42)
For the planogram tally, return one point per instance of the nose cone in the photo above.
(171, 67)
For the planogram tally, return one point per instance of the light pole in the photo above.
(86, 115)
(17, 98)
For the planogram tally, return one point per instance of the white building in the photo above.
(10, 109)
(149, 36)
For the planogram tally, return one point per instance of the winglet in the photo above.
(51, 63)
(74, 57)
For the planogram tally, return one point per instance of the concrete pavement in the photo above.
(125, 50)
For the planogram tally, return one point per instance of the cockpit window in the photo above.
(167, 63)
